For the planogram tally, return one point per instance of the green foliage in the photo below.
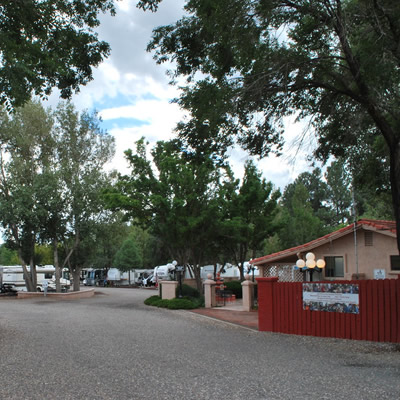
(179, 204)
(188, 291)
(44, 254)
(185, 303)
(48, 44)
(8, 256)
(250, 215)
(299, 224)
(235, 287)
(333, 64)
(152, 301)
(51, 183)
(128, 257)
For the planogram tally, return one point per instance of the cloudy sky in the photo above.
(131, 92)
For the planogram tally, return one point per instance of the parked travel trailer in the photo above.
(133, 277)
(228, 271)
(13, 275)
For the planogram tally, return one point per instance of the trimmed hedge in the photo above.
(188, 291)
(235, 287)
(185, 303)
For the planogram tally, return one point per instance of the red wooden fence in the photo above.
(280, 309)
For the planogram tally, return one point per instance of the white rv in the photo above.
(163, 272)
(14, 275)
(133, 277)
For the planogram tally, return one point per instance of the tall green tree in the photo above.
(50, 184)
(318, 195)
(47, 44)
(128, 256)
(250, 220)
(298, 222)
(335, 63)
(26, 151)
(83, 149)
(338, 183)
(178, 201)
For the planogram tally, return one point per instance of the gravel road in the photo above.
(112, 346)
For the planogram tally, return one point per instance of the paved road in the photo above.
(113, 347)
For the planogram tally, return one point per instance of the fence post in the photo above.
(168, 289)
(266, 303)
(248, 293)
(209, 292)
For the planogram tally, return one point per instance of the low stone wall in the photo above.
(82, 294)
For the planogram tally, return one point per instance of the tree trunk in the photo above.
(197, 276)
(30, 287)
(395, 185)
(57, 265)
(76, 274)
(33, 274)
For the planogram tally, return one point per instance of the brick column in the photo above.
(266, 303)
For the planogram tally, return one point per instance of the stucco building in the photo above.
(364, 250)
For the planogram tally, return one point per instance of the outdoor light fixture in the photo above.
(310, 264)
(179, 270)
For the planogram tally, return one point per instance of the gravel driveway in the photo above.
(112, 346)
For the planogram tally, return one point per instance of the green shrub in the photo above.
(164, 303)
(181, 304)
(152, 301)
(188, 291)
(235, 287)
(185, 303)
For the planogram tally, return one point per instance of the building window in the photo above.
(395, 263)
(334, 267)
(369, 238)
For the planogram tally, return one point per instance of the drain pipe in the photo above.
(355, 231)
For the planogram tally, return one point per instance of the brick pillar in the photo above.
(248, 293)
(209, 292)
(266, 303)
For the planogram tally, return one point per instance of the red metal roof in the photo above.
(388, 227)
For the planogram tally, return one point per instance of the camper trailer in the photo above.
(13, 275)
(133, 277)
(163, 272)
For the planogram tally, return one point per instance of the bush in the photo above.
(188, 291)
(235, 287)
(178, 304)
(185, 303)
(152, 301)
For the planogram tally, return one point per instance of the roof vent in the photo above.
(368, 238)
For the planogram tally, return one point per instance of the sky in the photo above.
(133, 97)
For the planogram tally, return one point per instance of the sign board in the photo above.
(179, 268)
(333, 297)
(379, 274)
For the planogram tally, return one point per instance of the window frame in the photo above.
(397, 261)
(335, 272)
